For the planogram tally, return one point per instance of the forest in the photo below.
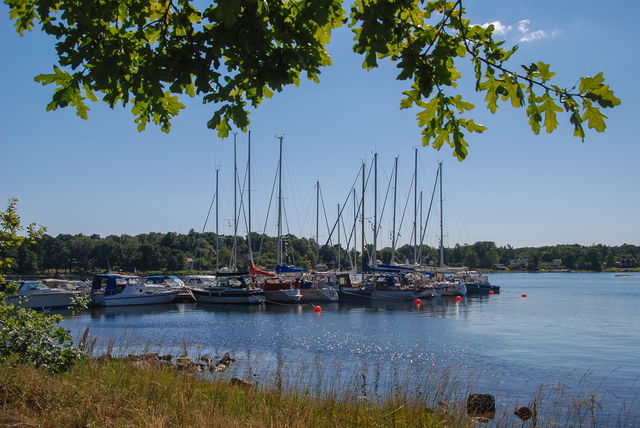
(174, 252)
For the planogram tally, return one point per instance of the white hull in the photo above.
(429, 292)
(140, 299)
(451, 288)
(290, 295)
(394, 295)
(319, 295)
(44, 300)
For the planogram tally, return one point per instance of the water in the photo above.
(573, 334)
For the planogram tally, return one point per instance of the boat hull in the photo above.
(44, 300)
(141, 299)
(228, 296)
(394, 295)
(318, 295)
(354, 294)
(289, 295)
(479, 289)
(451, 288)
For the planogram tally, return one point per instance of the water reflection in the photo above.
(568, 324)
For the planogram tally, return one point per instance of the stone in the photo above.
(483, 405)
(523, 412)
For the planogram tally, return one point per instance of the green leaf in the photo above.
(549, 108)
(594, 117)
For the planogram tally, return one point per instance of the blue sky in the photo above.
(102, 176)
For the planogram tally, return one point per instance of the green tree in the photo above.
(27, 336)
(233, 54)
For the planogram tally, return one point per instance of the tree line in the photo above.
(173, 252)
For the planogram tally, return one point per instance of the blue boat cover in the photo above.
(383, 268)
(288, 269)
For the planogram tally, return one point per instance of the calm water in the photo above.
(577, 330)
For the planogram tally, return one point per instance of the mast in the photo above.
(279, 257)
(362, 216)
(441, 228)
(249, 199)
(355, 220)
(375, 209)
(338, 237)
(317, 221)
(217, 232)
(415, 206)
(420, 245)
(235, 204)
(395, 191)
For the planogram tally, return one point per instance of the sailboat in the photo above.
(275, 288)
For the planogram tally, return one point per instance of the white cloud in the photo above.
(524, 33)
(523, 25)
(533, 35)
(498, 27)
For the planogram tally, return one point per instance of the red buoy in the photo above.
(317, 309)
(524, 295)
(418, 302)
(491, 293)
(458, 298)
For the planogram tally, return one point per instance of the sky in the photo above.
(102, 176)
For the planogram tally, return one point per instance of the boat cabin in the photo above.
(109, 284)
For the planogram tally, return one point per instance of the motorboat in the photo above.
(281, 290)
(478, 284)
(350, 292)
(318, 287)
(121, 290)
(450, 288)
(389, 287)
(36, 295)
(171, 282)
(199, 281)
(230, 289)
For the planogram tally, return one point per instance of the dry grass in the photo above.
(118, 393)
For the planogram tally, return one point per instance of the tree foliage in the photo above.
(170, 252)
(234, 53)
(27, 336)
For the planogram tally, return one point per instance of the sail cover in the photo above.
(255, 271)
(288, 269)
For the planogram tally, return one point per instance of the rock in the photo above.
(483, 405)
(523, 412)
(206, 358)
(241, 382)
(479, 420)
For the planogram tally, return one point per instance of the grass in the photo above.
(112, 392)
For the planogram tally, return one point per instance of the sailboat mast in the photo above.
(362, 216)
(235, 204)
(355, 220)
(317, 222)
(420, 245)
(279, 258)
(375, 209)
(441, 228)
(395, 192)
(415, 206)
(338, 237)
(249, 198)
(217, 231)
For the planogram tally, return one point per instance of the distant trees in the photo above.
(173, 252)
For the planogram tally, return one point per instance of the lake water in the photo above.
(574, 334)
